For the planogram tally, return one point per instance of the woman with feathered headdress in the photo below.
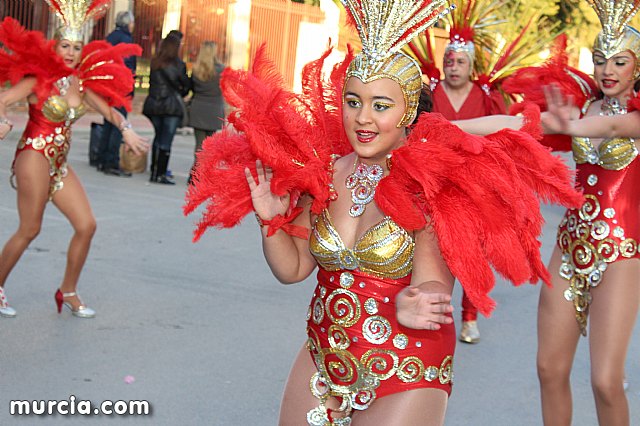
(405, 208)
(57, 77)
(596, 262)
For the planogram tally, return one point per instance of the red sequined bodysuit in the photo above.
(48, 132)
(358, 346)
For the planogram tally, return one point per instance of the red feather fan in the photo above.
(481, 196)
(103, 71)
(101, 68)
(529, 82)
(29, 54)
(296, 135)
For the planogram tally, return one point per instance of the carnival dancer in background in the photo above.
(402, 211)
(595, 264)
(471, 84)
(57, 78)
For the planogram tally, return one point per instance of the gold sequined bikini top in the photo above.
(384, 251)
(612, 154)
(56, 109)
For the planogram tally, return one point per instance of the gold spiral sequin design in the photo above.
(363, 399)
(600, 229)
(584, 256)
(411, 370)
(590, 209)
(380, 363)
(608, 250)
(313, 341)
(317, 312)
(376, 329)
(628, 248)
(445, 374)
(343, 371)
(572, 223)
(338, 337)
(343, 307)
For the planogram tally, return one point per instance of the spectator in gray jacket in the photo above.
(207, 103)
(108, 159)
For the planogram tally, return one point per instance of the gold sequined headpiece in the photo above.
(385, 26)
(74, 14)
(616, 36)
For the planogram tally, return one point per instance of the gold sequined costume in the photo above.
(606, 228)
(48, 132)
(361, 351)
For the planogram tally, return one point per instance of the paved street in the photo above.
(203, 331)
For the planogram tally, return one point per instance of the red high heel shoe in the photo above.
(81, 312)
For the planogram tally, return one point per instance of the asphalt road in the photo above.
(202, 331)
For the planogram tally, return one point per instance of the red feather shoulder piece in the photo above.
(482, 198)
(101, 68)
(103, 71)
(529, 83)
(27, 53)
(634, 104)
(295, 134)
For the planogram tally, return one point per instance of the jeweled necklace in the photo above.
(362, 183)
(63, 85)
(612, 106)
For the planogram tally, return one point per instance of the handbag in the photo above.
(185, 110)
(130, 162)
(183, 104)
(96, 137)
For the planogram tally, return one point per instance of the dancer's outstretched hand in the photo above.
(5, 128)
(418, 307)
(266, 204)
(560, 110)
(134, 142)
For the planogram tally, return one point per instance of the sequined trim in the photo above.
(357, 380)
(385, 250)
(612, 154)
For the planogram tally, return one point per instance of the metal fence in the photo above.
(277, 22)
(274, 22)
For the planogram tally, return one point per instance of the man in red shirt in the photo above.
(458, 97)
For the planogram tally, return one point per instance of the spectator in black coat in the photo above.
(168, 85)
(109, 150)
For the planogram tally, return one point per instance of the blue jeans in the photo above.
(109, 153)
(165, 127)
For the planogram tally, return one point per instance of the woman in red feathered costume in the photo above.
(596, 262)
(57, 77)
(393, 220)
